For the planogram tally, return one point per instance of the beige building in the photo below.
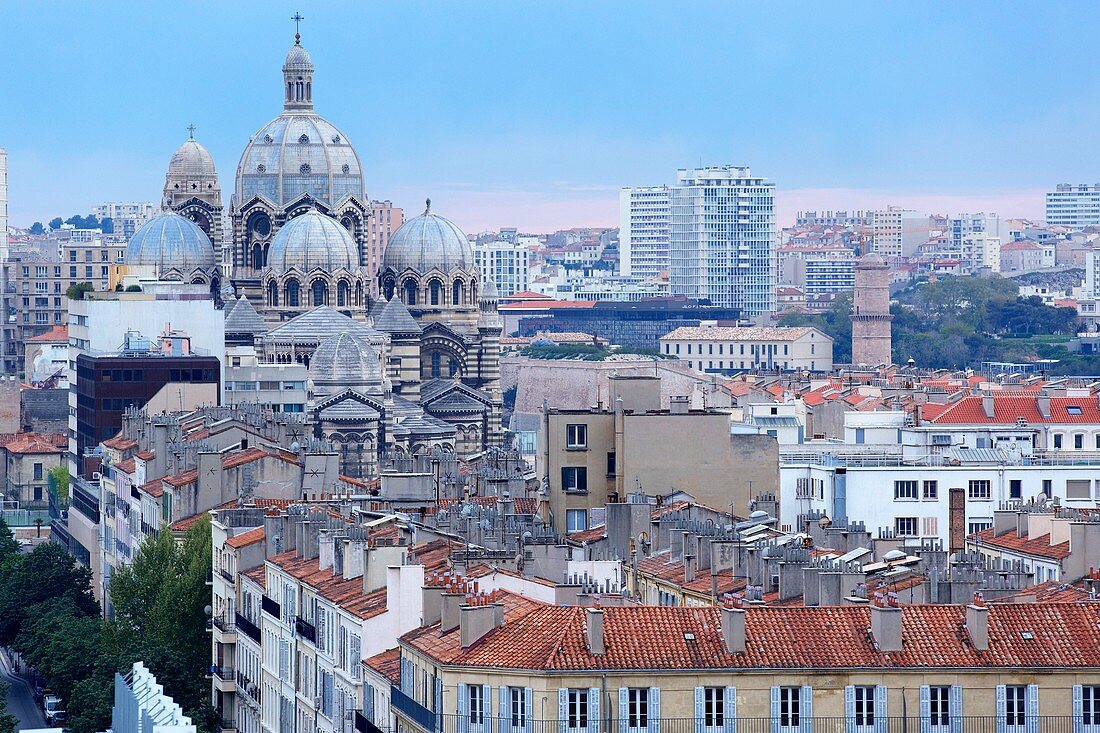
(28, 459)
(721, 350)
(592, 457)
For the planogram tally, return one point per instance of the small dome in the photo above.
(429, 242)
(191, 161)
(297, 59)
(313, 241)
(872, 259)
(345, 359)
(170, 241)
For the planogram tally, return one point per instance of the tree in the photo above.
(55, 223)
(47, 573)
(8, 723)
(59, 479)
(107, 224)
(8, 543)
(62, 641)
(37, 228)
(76, 290)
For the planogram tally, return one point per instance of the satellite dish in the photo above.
(894, 556)
(760, 514)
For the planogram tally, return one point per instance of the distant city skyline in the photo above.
(508, 114)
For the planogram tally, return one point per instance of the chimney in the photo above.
(1042, 403)
(987, 405)
(432, 603)
(450, 602)
(678, 404)
(691, 565)
(594, 617)
(476, 619)
(977, 623)
(886, 622)
(733, 624)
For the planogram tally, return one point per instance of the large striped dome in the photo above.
(170, 241)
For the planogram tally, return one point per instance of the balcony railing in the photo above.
(248, 689)
(227, 724)
(270, 607)
(225, 623)
(418, 714)
(248, 628)
(224, 673)
(305, 629)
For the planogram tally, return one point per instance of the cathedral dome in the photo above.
(191, 161)
(298, 60)
(345, 359)
(311, 241)
(428, 242)
(170, 241)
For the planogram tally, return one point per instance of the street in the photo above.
(20, 699)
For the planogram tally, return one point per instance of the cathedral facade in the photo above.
(415, 369)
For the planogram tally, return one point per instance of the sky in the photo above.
(534, 114)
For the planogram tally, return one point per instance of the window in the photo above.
(1073, 409)
(905, 490)
(978, 525)
(517, 707)
(931, 490)
(1078, 441)
(1057, 440)
(1015, 488)
(905, 526)
(980, 489)
(637, 707)
(574, 478)
(714, 707)
(790, 707)
(1048, 486)
(1090, 705)
(864, 705)
(1079, 489)
(576, 436)
(576, 520)
(1015, 707)
(939, 706)
(576, 709)
(476, 707)
(38, 472)
(611, 463)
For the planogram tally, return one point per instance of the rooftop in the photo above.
(1011, 541)
(748, 333)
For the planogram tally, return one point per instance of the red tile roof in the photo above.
(593, 534)
(153, 488)
(447, 647)
(1059, 635)
(1052, 591)
(57, 334)
(387, 664)
(1007, 408)
(31, 444)
(257, 575)
(347, 594)
(1035, 546)
(657, 566)
(520, 505)
(126, 466)
(230, 460)
(244, 539)
(120, 443)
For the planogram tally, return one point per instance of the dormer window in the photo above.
(304, 139)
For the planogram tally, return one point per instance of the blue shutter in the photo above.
(730, 711)
(563, 709)
(1078, 707)
(487, 708)
(1002, 708)
(463, 714)
(880, 708)
(528, 708)
(849, 708)
(699, 711)
(504, 709)
(1032, 709)
(594, 718)
(438, 703)
(806, 709)
(775, 709)
(654, 710)
(623, 718)
(925, 709)
(955, 695)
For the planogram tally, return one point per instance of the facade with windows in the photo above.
(1073, 205)
(718, 350)
(644, 217)
(507, 263)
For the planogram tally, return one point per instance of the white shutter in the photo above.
(1002, 708)
(356, 656)
(775, 709)
(1032, 709)
(594, 718)
(925, 709)
(563, 710)
(699, 710)
(528, 709)
(730, 711)
(437, 703)
(1078, 707)
(806, 709)
(849, 707)
(623, 710)
(880, 709)
(486, 708)
(504, 709)
(463, 713)
(654, 710)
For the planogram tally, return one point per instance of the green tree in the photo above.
(62, 641)
(76, 290)
(37, 228)
(59, 479)
(8, 722)
(55, 223)
(8, 544)
(47, 573)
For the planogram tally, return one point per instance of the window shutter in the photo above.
(594, 718)
(463, 715)
(528, 705)
(563, 709)
(1032, 709)
(1078, 707)
(487, 708)
(654, 710)
(775, 709)
(504, 709)
(1002, 708)
(880, 708)
(356, 656)
(564, 478)
(582, 479)
(849, 707)
(623, 718)
(806, 709)
(730, 712)
(700, 723)
(925, 709)
(438, 703)
(956, 699)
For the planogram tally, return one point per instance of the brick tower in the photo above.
(871, 312)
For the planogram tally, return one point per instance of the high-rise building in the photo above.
(964, 225)
(505, 263)
(385, 219)
(898, 232)
(871, 317)
(3, 205)
(722, 238)
(6, 331)
(643, 231)
(1074, 205)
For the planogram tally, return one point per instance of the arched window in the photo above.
(292, 293)
(456, 293)
(473, 292)
(433, 291)
(267, 247)
(320, 293)
(257, 256)
(436, 368)
(453, 367)
(410, 292)
(359, 294)
(273, 293)
(342, 294)
(388, 288)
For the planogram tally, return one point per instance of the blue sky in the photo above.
(533, 114)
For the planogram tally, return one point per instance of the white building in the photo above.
(142, 707)
(246, 379)
(506, 263)
(3, 205)
(643, 231)
(962, 225)
(720, 350)
(1073, 205)
(722, 239)
(898, 232)
(127, 217)
(818, 269)
(979, 250)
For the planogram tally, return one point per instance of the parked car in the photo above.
(55, 713)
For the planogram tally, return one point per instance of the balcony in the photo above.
(893, 724)
(225, 629)
(226, 725)
(305, 630)
(270, 607)
(248, 690)
(225, 679)
(412, 710)
(247, 627)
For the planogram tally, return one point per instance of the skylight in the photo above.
(1073, 409)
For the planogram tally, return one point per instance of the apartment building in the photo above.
(898, 232)
(644, 216)
(818, 269)
(1073, 205)
(126, 217)
(507, 264)
(385, 219)
(247, 380)
(27, 460)
(1055, 543)
(722, 350)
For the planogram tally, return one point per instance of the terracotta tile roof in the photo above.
(482, 571)
(153, 488)
(31, 444)
(347, 594)
(145, 455)
(244, 539)
(1052, 591)
(520, 505)
(126, 466)
(1059, 635)
(657, 566)
(182, 525)
(387, 664)
(57, 334)
(1007, 408)
(230, 460)
(120, 443)
(257, 575)
(593, 534)
(447, 647)
(434, 555)
(1010, 541)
